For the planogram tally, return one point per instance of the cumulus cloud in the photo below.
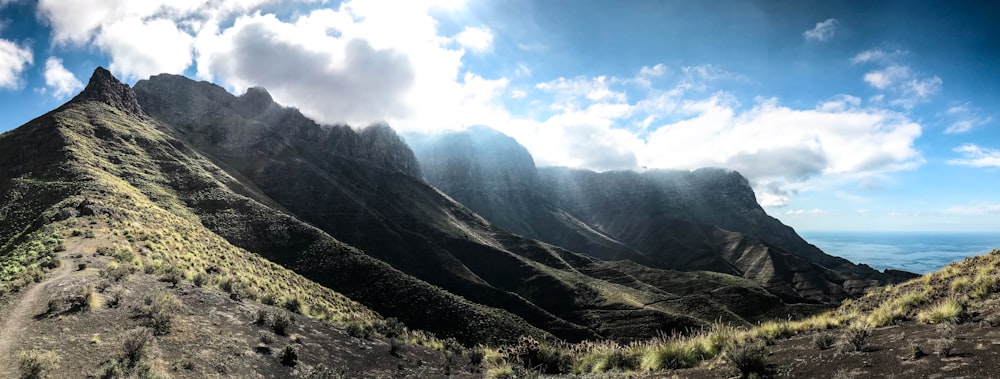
(347, 81)
(13, 60)
(59, 80)
(976, 156)
(478, 39)
(619, 123)
(139, 49)
(79, 21)
(140, 37)
(782, 148)
(823, 31)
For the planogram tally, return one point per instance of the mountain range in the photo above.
(457, 234)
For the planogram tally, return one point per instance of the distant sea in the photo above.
(914, 252)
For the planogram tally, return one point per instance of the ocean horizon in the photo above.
(917, 252)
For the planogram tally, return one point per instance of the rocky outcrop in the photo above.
(105, 88)
(253, 124)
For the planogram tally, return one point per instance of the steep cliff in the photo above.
(707, 219)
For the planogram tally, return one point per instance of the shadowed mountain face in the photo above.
(707, 219)
(363, 189)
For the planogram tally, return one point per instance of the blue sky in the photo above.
(845, 115)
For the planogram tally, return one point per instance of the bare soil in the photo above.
(19, 313)
(212, 335)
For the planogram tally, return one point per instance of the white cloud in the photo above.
(923, 87)
(364, 61)
(962, 119)
(910, 88)
(570, 92)
(781, 149)
(59, 80)
(522, 70)
(814, 211)
(840, 103)
(13, 60)
(478, 39)
(784, 149)
(877, 56)
(331, 79)
(139, 49)
(657, 70)
(823, 31)
(79, 21)
(975, 156)
(887, 77)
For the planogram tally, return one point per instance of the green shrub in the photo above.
(295, 305)
(172, 275)
(200, 279)
(824, 340)
(749, 357)
(945, 311)
(669, 354)
(36, 364)
(500, 372)
(534, 354)
(358, 330)
(855, 338)
(158, 310)
(116, 272)
(289, 355)
(390, 328)
(137, 346)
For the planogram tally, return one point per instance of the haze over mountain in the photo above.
(707, 219)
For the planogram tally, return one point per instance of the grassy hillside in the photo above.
(127, 155)
(940, 324)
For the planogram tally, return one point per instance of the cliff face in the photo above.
(495, 176)
(253, 124)
(707, 219)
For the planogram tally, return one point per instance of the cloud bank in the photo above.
(367, 61)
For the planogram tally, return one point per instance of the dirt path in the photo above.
(32, 302)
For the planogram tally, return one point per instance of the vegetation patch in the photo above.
(948, 310)
(37, 364)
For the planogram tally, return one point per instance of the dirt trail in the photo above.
(22, 311)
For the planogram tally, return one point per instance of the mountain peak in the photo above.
(104, 87)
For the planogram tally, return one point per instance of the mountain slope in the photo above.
(103, 185)
(324, 175)
(702, 220)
